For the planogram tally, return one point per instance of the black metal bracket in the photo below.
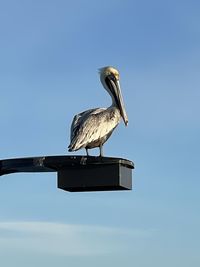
(77, 173)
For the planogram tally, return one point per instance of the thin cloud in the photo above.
(67, 239)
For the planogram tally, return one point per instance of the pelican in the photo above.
(93, 127)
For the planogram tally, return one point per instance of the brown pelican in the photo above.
(93, 127)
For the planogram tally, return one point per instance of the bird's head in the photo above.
(106, 71)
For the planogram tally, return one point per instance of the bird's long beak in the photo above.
(121, 103)
(115, 90)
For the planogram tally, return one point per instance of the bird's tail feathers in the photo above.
(73, 147)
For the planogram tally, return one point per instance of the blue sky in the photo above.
(50, 52)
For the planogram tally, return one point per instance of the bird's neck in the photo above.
(114, 104)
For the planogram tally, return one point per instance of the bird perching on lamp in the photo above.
(89, 129)
(93, 127)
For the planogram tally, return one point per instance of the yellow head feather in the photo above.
(105, 71)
